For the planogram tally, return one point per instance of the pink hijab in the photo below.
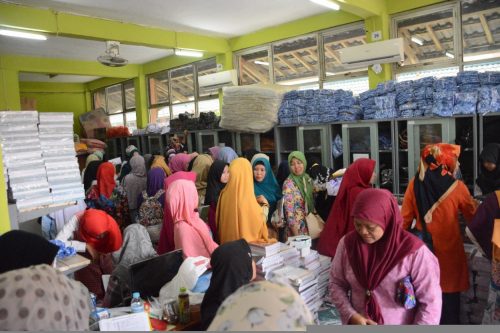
(182, 200)
(166, 242)
(180, 162)
(372, 262)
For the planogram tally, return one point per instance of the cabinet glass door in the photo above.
(385, 157)
(267, 146)
(155, 145)
(313, 142)
(226, 138)
(360, 141)
(248, 141)
(206, 140)
(135, 141)
(466, 137)
(287, 141)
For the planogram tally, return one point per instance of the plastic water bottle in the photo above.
(136, 305)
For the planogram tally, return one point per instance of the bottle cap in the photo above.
(183, 289)
(136, 295)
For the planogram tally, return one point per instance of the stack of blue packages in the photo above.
(444, 96)
(489, 99)
(489, 79)
(349, 108)
(468, 81)
(465, 103)
(287, 113)
(367, 102)
(406, 107)
(384, 141)
(386, 107)
(423, 90)
(328, 106)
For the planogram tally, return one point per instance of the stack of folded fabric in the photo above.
(488, 99)
(386, 107)
(444, 96)
(367, 102)
(406, 106)
(24, 168)
(465, 103)
(59, 156)
(468, 81)
(348, 106)
(489, 79)
(423, 92)
(328, 105)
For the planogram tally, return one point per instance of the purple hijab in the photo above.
(154, 183)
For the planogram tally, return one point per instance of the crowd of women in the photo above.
(390, 264)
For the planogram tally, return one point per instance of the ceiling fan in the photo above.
(111, 56)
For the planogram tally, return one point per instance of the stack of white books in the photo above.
(58, 151)
(324, 275)
(291, 256)
(311, 262)
(305, 282)
(22, 159)
(267, 257)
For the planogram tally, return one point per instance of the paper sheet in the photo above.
(131, 322)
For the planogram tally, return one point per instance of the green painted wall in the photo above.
(58, 97)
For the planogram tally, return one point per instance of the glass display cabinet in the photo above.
(263, 142)
(156, 144)
(209, 138)
(286, 141)
(314, 143)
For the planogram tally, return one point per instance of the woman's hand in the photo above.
(358, 319)
(262, 200)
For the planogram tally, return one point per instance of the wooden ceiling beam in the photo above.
(434, 38)
(486, 29)
(287, 63)
(297, 56)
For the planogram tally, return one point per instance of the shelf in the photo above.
(405, 150)
(17, 216)
(268, 152)
(385, 151)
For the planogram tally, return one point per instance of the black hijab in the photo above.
(90, 174)
(231, 268)
(214, 185)
(489, 181)
(21, 249)
(250, 153)
(283, 172)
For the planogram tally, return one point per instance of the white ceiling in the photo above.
(35, 77)
(225, 18)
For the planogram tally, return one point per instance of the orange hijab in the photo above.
(238, 213)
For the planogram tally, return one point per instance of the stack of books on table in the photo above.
(311, 262)
(324, 276)
(267, 257)
(305, 282)
(290, 255)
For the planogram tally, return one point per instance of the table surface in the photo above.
(72, 264)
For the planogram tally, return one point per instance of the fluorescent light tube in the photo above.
(188, 53)
(22, 34)
(327, 3)
(417, 40)
(263, 63)
(449, 55)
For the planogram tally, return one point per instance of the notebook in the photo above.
(148, 276)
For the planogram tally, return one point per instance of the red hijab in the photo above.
(372, 262)
(356, 179)
(106, 179)
(99, 230)
(166, 242)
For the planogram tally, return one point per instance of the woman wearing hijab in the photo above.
(166, 243)
(266, 188)
(484, 231)
(136, 247)
(283, 173)
(22, 249)
(159, 162)
(489, 160)
(130, 152)
(191, 234)
(263, 306)
(90, 175)
(91, 158)
(359, 176)
(214, 152)
(151, 204)
(218, 176)
(232, 267)
(320, 176)
(39, 298)
(298, 198)
(180, 161)
(96, 234)
(435, 197)
(134, 183)
(227, 154)
(373, 261)
(238, 213)
(201, 166)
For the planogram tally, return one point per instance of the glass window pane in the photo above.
(131, 121)
(359, 140)
(182, 84)
(129, 89)
(159, 115)
(254, 67)
(158, 88)
(428, 37)
(182, 108)
(212, 105)
(116, 119)
(207, 67)
(438, 73)
(356, 85)
(296, 61)
(114, 99)
(99, 99)
(334, 41)
(483, 67)
(480, 30)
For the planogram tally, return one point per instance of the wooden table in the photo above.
(72, 264)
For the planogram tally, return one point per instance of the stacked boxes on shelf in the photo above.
(22, 159)
(58, 151)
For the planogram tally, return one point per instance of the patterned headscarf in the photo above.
(39, 298)
(303, 181)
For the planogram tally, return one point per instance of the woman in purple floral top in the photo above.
(297, 195)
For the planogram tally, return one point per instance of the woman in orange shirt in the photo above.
(435, 194)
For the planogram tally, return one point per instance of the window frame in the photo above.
(125, 110)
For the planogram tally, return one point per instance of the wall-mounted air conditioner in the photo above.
(218, 80)
(365, 55)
